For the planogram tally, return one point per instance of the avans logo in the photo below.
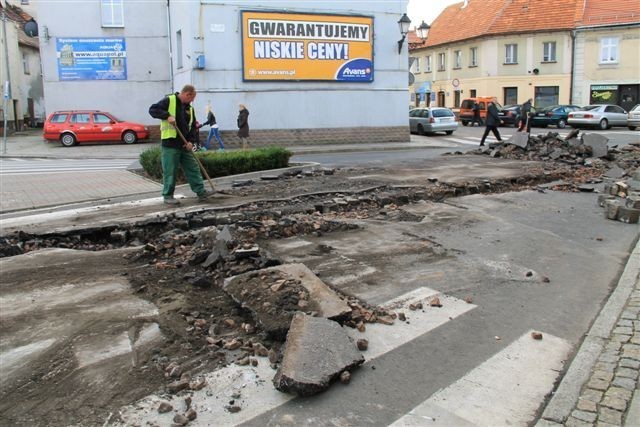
(359, 69)
(357, 72)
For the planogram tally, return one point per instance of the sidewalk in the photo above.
(31, 145)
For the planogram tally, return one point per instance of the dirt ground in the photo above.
(122, 310)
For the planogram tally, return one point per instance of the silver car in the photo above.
(602, 116)
(633, 120)
(431, 120)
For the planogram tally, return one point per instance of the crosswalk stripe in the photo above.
(254, 385)
(504, 390)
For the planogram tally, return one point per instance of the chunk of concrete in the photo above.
(317, 351)
(611, 208)
(628, 215)
(275, 322)
(597, 142)
(519, 139)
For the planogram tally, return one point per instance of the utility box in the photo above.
(200, 62)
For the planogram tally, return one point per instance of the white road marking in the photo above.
(504, 390)
(254, 383)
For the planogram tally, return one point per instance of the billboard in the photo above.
(91, 58)
(279, 46)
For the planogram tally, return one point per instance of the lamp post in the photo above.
(403, 23)
(423, 30)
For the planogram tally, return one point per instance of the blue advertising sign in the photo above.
(91, 58)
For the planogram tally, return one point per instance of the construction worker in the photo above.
(176, 110)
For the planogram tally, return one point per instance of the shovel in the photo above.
(204, 171)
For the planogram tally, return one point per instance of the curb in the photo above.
(566, 395)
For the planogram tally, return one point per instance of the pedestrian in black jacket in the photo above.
(493, 121)
(243, 126)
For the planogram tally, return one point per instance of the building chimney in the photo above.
(466, 3)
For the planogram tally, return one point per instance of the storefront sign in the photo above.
(604, 94)
(91, 59)
(292, 46)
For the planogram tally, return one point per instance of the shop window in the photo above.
(112, 13)
(546, 96)
(510, 95)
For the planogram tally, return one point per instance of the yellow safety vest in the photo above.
(167, 131)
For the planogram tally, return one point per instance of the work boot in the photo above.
(204, 196)
(171, 201)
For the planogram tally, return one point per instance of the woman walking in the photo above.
(214, 131)
(243, 126)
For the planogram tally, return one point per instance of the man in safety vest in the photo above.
(176, 109)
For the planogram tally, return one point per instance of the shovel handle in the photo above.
(204, 171)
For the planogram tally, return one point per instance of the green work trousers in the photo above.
(171, 159)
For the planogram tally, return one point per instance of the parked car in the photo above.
(466, 108)
(555, 115)
(430, 120)
(510, 115)
(74, 126)
(633, 118)
(603, 116)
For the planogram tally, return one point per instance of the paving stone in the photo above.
(627, 373)
(614, 403)
(626, 383)
(611, 416)
(602, 375)
(605, 357)
(613, 347)
(619, 393)
(628, 315)
(603, 424)
(625, 330)
(574, 422)
(588, 417)
(316, 352)
(628, 215)
(620, 338)
(592, 395)
(625, 322)
(606, 367)
(598, 384)
(631, 352)
(587, 405)
(629, 363)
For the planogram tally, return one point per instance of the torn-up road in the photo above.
(143, 315)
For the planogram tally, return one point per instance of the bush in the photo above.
(225, 163)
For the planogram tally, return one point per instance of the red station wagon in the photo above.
(71, 127)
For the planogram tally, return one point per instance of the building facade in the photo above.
(313, 79)
(519, 49)
(20, 67)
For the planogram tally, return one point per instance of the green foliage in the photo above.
(224, 163)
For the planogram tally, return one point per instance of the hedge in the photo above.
(222, 163)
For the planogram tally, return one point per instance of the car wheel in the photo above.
(604, 124)
(420, 130)
(562, 124)
(129, 137)
(449, 132)
(68, 140)
(632, 127)
(464, 123)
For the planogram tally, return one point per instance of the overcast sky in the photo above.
(427, 10)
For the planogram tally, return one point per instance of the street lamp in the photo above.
(423, 30)
(404, 23)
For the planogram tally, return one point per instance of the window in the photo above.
(549, 52)
(112, 13)
(101, 119)
(417, 65)
(510, 95)
(456, 98)
(441, 59)
(427, 64)
(546, 96)
(59, 118)
(80, 118)
(609, 50)
(511, 54)
(179, 48)
(472, 93)
(25, 63)
(473, 57)
(457, 55)
(614, 109)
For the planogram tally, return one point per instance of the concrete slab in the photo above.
(597, 142)
(316, 352)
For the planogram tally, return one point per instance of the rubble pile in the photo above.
(621, 200)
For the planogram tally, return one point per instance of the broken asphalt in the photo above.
(457, 224)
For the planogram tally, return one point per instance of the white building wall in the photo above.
(213, 29)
